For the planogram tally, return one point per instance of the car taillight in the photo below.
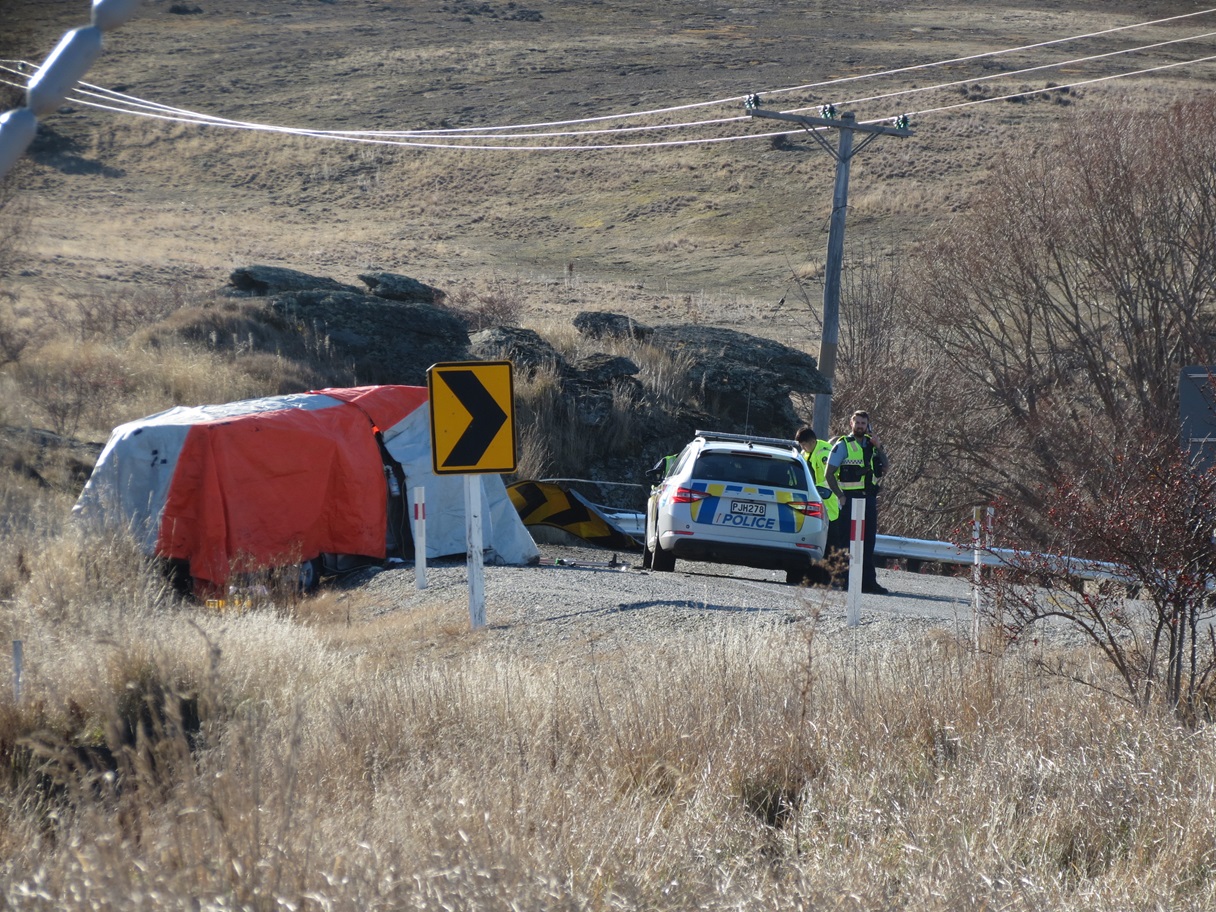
(687, 495)
(808, 508)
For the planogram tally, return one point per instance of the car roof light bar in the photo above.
(746, 438)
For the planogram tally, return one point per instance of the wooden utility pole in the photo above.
(843, 153)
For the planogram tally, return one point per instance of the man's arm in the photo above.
(832, 470)
(878, 460)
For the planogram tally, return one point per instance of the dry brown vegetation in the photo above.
(310, 755)
(256, 760)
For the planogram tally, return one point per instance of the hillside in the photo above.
(120, 200)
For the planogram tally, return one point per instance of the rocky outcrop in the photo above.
(400, 288)
(387, 341)
(745, 381)
(524, 348)
(262, 281)
(598, 382)
(602, 325)
(619, 425)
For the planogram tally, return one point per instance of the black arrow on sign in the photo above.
(488, 418)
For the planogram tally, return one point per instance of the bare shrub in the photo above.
(74, 386)
(24, 326)
(1059, 311)
(884, 366)
(15, 229)
(499, 302)
(1154, 538)
(113, 315)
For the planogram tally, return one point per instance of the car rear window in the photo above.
(745, 468)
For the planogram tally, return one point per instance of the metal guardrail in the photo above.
(914, 549)
(950, 553)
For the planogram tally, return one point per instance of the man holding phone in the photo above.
(855, 468)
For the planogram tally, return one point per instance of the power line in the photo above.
(1022, 72)
(594, 147)
(183, 115)
(738, 99)
(1060, 88)
(443, 138)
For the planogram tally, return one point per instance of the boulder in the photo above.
(400, 288)
(387, 341)
(598, 325)
(597, 382)
(601, 369)
(747, 381)
(262, 281)
(524, 348)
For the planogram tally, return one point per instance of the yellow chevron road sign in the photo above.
(472, 417)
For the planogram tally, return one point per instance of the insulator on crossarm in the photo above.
(69, 61)
(110, 14)
(17, 129)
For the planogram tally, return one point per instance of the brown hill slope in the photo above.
(120, 199)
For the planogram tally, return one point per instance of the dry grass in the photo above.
(346, 766)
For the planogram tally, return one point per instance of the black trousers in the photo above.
(838, 535)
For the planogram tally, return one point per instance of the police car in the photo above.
(737, 499)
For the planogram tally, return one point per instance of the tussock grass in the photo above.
(746, 766)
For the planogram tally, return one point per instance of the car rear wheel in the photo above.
(663, 561)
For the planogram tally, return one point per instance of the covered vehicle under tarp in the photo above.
(283, 479)
(546, 503)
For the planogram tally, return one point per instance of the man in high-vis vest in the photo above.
(815, 452)
(855, 468)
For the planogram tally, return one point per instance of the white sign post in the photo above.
(420, 537)
(857, 546)
(477, 587)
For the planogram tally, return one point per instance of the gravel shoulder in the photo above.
(569, 610)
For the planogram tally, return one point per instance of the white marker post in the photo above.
(420, 537)
(18, 662)
(976, 600)
(857, 550)
(477, 586)
(981, 523)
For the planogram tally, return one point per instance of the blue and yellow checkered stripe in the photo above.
(703, 511)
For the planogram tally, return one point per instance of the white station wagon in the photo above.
(737, 499)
